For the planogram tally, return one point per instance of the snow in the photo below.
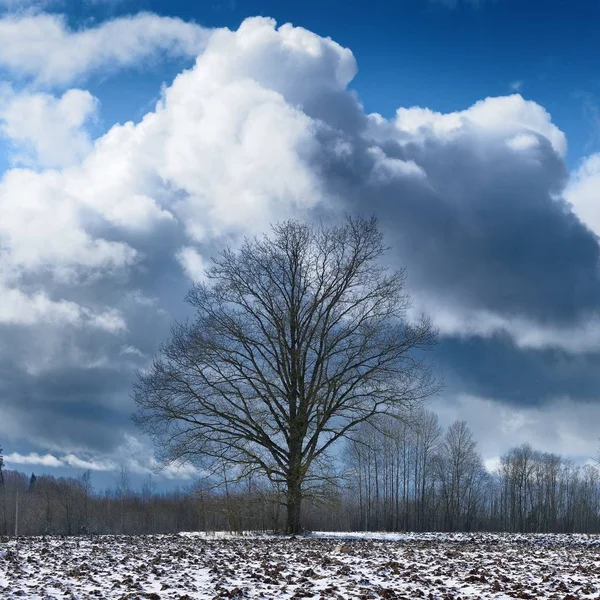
(192, 566)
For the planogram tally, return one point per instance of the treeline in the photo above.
(395, 476)
(46, 505)
(416, 476)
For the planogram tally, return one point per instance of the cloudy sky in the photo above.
(136, 138)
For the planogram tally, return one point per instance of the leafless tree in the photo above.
(2, 485)
(461, 475)
(123, 491)
(532, 491)
(297, 339)
(390, 467)
(85, 481)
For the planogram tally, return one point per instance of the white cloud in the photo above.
(128, 349)
(221, 153)
(33, 458)
(232, 147)
(109, 320)
(260, 129)
(492, 464)
(138, 457)
(464, 321)
(139, 460)
(387, 168)
(43, 47)
(44, 229)
(184, 471)
(193, 263)
(68, 460)
(562, 426)
(583, 192)
(76, 462)
(514, 113)
(17, 308)
(523, 142)
(506, 116)
(47, 131)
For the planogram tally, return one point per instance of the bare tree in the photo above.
(297, 339)
(390, 467)
(3, 486)
(561, 496)
(85, 481)
(461, 472)
(428, 434)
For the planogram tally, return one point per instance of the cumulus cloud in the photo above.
(44, 48)
(583, 192)
(493, 117)
(480, 231)
(46, 131)
(262, 128)
(44, 229)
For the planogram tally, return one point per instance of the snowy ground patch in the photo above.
(323, 565)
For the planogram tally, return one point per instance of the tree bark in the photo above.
(294, 504)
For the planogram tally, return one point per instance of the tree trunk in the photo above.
(294, 502)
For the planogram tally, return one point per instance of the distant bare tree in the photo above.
(85, 481)
(532, 491)
(461, 473)
(428, 434)
(123, 491)
(390, 467)
(297, 339)
(3, 486)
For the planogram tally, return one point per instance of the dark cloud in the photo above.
(261, 129)
(495, 368)
(487, 225)
(71, 415)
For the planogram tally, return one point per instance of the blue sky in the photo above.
(470, 128)
(442, 54)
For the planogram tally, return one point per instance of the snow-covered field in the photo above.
(324, 565)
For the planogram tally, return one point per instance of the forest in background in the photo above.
(409, 475)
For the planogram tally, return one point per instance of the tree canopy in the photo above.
(297, 338)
